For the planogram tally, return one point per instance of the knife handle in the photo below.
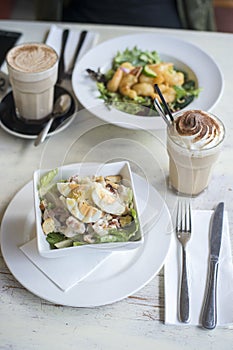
(61, 64)
(82, 37)
(209, 316)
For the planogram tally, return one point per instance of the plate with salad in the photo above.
(122, 274)
(115, 80)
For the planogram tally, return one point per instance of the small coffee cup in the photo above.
(194, 142)
(32, 69)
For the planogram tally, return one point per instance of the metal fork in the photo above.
(183, 233)
(62, 74)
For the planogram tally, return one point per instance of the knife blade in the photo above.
(209, 315)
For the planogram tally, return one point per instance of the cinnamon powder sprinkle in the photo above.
(197, 122)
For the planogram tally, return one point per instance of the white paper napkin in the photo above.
(197, 258)
(54, 39)
(66, 271)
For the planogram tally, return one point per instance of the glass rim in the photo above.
(35, 72)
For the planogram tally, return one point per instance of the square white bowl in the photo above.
(84, 169)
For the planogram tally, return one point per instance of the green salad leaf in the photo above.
(181, 92)
(45, 182)
(53, 238)
(123, 234)
(58, 240)
(135, 56)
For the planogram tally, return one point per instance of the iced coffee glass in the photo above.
(32, 71)
(194, 142)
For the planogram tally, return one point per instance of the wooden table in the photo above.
(137, 322)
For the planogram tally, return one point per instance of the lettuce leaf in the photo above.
(136, 56)
(123, 234)
(45, 182)
(53, 238)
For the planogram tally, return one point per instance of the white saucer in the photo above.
(123, 274)
(18, 127)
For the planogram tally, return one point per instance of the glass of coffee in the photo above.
(194, 142)
(33, 71)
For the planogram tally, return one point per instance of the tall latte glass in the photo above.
(32, 71)
(194, 142)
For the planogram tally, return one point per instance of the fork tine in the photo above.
(188, 217)
(178, 217)
(183, 217)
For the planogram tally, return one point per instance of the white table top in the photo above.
(28, 322)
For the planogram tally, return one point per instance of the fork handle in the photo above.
(184, 291)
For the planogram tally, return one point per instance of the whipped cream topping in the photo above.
(34, 57)
(196, 130)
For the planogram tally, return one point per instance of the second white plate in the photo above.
(184, 55)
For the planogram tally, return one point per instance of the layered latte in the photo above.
(32, 70)
(194, 141)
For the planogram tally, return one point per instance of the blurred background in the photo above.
(53, 10)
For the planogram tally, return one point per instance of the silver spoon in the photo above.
(61, 106)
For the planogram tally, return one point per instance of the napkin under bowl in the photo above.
(65, 272)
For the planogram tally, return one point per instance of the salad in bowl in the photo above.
(86, 205)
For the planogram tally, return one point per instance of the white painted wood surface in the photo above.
(28, 322)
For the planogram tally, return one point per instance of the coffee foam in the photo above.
(32, 58)
(196, 130)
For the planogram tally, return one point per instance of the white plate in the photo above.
(122, 275)
(184, 55)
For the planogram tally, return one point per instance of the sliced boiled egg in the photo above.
(83, 211)
(66, 187)
(107, 201)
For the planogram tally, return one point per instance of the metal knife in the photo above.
(209, 315)
(82, 37)
(61, 64)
